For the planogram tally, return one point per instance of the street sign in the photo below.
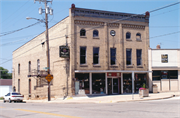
(49, 77)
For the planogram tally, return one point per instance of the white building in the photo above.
(5, 86)
(165, 64)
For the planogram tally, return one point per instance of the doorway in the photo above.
(113, 86)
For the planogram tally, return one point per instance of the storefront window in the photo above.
(165, 74)
(98, 83)
(82, 82)
(140, 80)
(127, 83)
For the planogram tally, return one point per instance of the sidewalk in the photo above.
(109, 98)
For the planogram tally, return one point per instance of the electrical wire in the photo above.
(10, 32)
(164, 7)
(15, 11)
(119, 20)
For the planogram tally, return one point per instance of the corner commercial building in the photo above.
(99, 62)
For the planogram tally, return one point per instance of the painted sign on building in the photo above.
(164, 58)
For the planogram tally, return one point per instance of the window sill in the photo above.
(95, 37)
(83, 65)
(114, 66)
(129, 66)
(140, 66)
(96, 65)
(83, 37)
(128, 39)
(138, 40)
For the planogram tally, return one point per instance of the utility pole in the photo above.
(47, 11)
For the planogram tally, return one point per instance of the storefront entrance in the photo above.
(113, 85)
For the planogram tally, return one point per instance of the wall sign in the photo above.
(164, 58)
(114, 74)
(64, 51)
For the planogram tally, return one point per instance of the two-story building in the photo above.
(108, 54)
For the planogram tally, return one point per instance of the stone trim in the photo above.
(133, 26)
(113, 24)
(81, 22)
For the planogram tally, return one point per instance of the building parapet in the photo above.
(109, 15)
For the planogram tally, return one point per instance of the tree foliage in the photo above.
(5, 73)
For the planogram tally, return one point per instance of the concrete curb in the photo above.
(98, 102)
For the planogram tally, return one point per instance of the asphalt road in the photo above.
(168, 108)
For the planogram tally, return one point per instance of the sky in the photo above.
(164, 25)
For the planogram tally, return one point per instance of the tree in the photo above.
(5, 73)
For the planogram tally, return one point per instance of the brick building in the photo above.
(107, 50)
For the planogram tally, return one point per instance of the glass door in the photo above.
(109, 85)
(115, 86)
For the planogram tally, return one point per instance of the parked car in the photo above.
(13, 96)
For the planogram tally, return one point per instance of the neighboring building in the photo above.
(5, 86)
(165, 64)
(101, 61)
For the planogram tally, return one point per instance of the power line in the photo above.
(9, 24)
(165, 34)
(123, 19)
(164, 7)
(10, 32)
(15, 11)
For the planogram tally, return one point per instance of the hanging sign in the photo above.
(64, 51)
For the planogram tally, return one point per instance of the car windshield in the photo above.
(16, 94)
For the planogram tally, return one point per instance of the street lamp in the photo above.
(35, 19)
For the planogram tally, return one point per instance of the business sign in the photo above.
(164, 58)
(64, 51)
(114, 74)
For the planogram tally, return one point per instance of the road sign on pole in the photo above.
(49, 77)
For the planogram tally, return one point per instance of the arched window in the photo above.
(83, 32)
(138, 36)
(128, 35)
(95, 33)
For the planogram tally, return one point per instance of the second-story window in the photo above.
(138, 36)
(113, 56)
(82, 55)
(128, 56)
(38, 65)
(96, 55)
(128, 35)
(95, 33)
(83, 32)
(29, 66)
(139, 57)
(19, 69)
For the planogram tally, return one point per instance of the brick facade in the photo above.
(63, 70)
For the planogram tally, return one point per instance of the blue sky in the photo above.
(13, 15)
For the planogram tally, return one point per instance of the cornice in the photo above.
(142, 27)
(81, 22)
(113, 24)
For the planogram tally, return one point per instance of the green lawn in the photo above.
(1, 98)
